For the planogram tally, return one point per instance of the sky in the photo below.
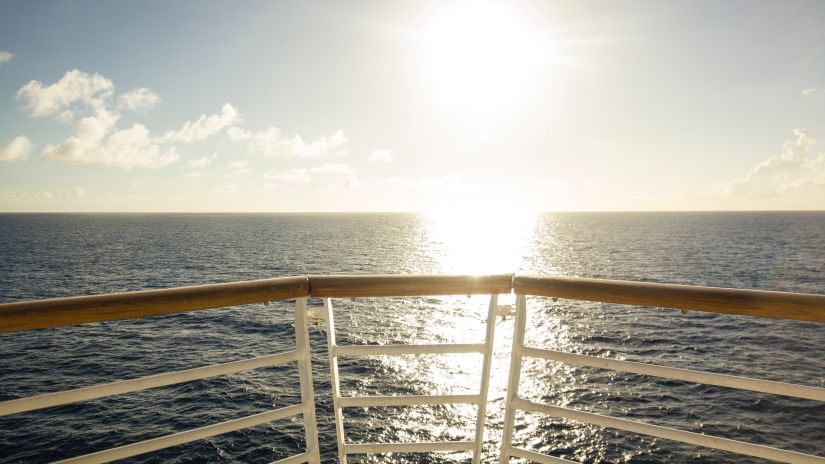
(295, 106)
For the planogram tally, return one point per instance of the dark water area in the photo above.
(54, 255)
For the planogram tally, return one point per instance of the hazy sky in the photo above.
(399, 106)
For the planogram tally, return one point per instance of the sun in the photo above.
(479, 56)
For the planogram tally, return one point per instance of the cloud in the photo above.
(272, 143)
(98, 140)
(337, 168)
(202, 161)
(797, 166)
(204, 127)
(93, 90)
(384, 156)
(400, 182)
(192, 175)
(5, 57)
(138, 100)
(126, 148)
(304, 175)
(810, 91)
(604, 144)
(293, 176)
(17, 149)
(239, 167)
(227, 188)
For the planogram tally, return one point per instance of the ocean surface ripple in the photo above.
(54, 255)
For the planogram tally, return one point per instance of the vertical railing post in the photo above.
(305, 375)
(485, 378)
(334, 381)
(519, 325)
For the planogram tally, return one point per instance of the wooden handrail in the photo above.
(782, 305)
(56, 312)
(39, 314)
(408, 285)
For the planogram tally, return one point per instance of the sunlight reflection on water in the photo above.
(459, 244)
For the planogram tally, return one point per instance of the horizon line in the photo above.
(425, 212)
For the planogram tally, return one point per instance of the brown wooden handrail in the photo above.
(782, 305)
(408, 285)
(56, 312)
(39, 314)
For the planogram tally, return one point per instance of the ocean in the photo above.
(54, 255)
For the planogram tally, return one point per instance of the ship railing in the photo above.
(96, 308)
(328, 287)
(805, 307)
(66, 311)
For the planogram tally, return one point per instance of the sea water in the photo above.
(54, 255)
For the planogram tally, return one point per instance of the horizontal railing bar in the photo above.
(537, 457)
(725, 444)
(48, 400)
(40, 314)
(783, 305)
(407, 285)
(302, 458)
(406, 400)
(420, 447)
(155, 444)
(688, 375)
(392, 350)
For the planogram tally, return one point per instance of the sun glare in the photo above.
(479, 56)
(480, 235)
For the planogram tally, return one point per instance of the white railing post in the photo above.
(334, 381)
(485, 378)
(519, 325)
(305, 375)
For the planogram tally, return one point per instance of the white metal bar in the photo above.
(735, 446)
(334, 381)
(688, 375)
(519, 325)
(302, 458)
(48, 400)
(305, 376)
(155, 444)
(406, 400)
(392, 350)
(485, 378)
(537, 457)
(420, 447)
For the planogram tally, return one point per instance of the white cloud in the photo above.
(192, 175)
(204, 127)
(126, 148)
(227, 188)
(5, 57)
(797, 166)
(17, 149)
(98, 140)
(810, 91)
(400, 182)
(75, 86)
(385, 156)
(337, 168)
(293, 176)
(238, 168)
(202, 161)
(236, 134)
(272, 143)
(138, 100)
(604, 144)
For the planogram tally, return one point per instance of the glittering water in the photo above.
(61, 255)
